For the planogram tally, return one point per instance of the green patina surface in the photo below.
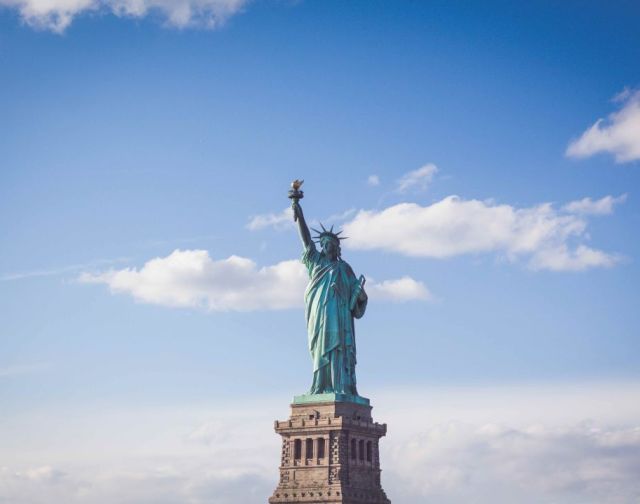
(329, 397)
(334, 298)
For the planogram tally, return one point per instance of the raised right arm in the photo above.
(303, 229)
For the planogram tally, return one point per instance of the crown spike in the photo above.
(323, 228)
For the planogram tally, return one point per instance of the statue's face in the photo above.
(331, 248)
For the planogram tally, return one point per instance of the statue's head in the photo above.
(329, 241)
(330, 247)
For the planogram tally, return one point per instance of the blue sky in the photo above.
(143, 144)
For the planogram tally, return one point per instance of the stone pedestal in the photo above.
(330, 453)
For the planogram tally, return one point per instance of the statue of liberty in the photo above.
(333, 298)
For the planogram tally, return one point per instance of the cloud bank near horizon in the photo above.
(57, 15)
(570, 443)
(192, 279)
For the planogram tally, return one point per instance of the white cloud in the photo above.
(373, 180)
(619, 134)
(57, 15)
(279, 221)
(417, 179)
(454, 226)
(401, 289)
(587, 206)
(191, 278)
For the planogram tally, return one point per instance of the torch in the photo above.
(295, 194)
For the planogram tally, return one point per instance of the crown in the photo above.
(327, 235)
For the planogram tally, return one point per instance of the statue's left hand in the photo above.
(359, 293)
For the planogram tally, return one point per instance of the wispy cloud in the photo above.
(373, 180)
(191, 278)
(588, 206)
(546, 237)
(417, 179)
(338, 218)
(619, 134)
(57, 15)
(22, 369)
(564, 258)
(61, 270)
(179, 240)
(280, 221)
(284, 220)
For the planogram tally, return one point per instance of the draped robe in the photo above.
(331, 293)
